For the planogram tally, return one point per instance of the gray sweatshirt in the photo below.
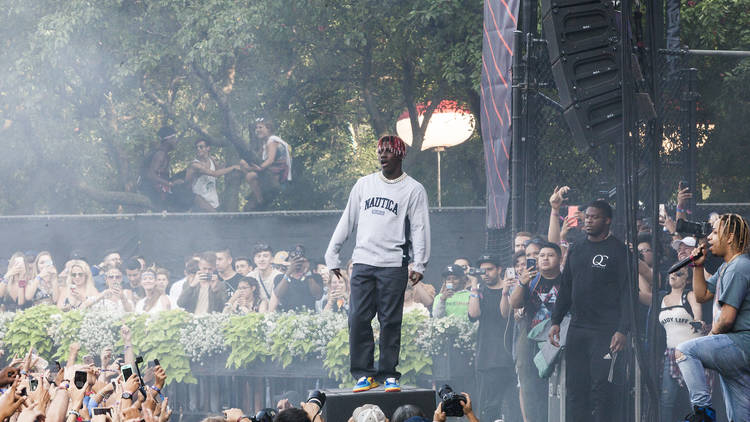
(391, 219)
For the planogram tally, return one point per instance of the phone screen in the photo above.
(531, 263)
(572, 212)
(127, 372)
(662, 210)
(102, 411)
(80, 379)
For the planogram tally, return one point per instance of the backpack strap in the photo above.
(534, 282)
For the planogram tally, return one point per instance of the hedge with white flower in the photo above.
(179, 339)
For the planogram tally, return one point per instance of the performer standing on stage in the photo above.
(727, 349)
(389, 211)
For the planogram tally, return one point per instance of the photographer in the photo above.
(496, 378)
(727, 349)
(537, 296)
(453, 298)
(440, 415)
(204, 293)
(593, 287)
(298, 288)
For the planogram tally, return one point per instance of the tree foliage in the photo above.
(724, 89)
(86, 84)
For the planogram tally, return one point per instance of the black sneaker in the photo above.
(701, 414)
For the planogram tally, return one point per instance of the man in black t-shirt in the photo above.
(226, 271)
(536, 294)
(298, 288)
(594, 289)
(496, 378)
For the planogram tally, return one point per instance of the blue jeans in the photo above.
(674, 399)
(721, 354)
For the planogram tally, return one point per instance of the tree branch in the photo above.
(169, 111)
(231, 126)
(113, 197)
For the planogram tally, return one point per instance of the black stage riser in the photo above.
(341, 403)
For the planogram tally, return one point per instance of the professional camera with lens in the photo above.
(318, 397)
(452, 402)
(693, 228)
(263, 415)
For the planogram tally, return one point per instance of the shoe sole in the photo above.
(393, 390)
(369, 387)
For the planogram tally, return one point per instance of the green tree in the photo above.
(87, 84)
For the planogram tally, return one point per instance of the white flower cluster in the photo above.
(99, 330)
(323, 327)
(441, 335)
(5, 319)
(203, 336)
(300, 330)
(55, 330)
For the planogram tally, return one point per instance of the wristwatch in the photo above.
(127, 396)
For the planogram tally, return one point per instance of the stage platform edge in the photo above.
(340, 403)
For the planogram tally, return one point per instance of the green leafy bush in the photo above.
(246, 336)
(29, 330)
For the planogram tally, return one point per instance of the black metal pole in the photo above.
(693, 137)
(516, 213)
(656, 40)
(529, 147)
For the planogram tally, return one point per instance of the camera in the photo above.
(452, 402)
(263, 415)
(694, 228)
(477, 271)
(318, 397)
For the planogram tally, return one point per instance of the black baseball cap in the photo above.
(492, 259)
(456, 270)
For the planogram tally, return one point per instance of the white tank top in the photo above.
(676, 322)
(205, 186)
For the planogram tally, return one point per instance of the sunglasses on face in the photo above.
(76, 275)
(114, 277)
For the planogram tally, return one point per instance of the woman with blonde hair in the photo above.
(16, 278)
(79, 285)
(43, 288)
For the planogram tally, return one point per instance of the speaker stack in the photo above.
(583, 43)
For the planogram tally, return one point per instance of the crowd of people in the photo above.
(195, 188)
(571, 280)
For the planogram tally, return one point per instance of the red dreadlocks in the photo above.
(392, 144)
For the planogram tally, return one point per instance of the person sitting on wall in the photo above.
(202, 173)
(267, 177)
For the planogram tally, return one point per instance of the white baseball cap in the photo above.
(688, 241)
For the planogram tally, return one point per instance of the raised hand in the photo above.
(558, 197)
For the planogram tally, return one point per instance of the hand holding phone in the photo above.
(573, 212)
(127, 372)
(80, 379)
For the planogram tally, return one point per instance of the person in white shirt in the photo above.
(191, 267)
(264, 272)
(155, 300)
(389, 211)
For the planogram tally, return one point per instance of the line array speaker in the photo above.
(583, 45)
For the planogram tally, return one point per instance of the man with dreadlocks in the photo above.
(727, 349)
(389, 211)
